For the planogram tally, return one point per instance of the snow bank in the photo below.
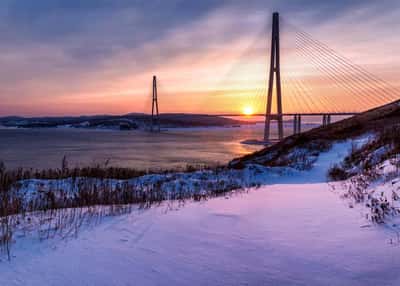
(376, 194)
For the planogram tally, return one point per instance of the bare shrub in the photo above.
(337, 173)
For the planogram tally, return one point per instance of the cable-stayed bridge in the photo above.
(305, 77)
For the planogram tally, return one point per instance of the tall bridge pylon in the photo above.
(274, 73)
(155, 117)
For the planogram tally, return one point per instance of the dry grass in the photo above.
(384, 146)
(90, 194)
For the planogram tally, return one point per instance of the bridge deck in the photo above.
(292, 114)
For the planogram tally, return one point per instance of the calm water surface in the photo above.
(44, 148)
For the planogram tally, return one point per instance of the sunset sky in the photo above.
(71, 57)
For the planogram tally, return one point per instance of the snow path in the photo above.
(296, 233)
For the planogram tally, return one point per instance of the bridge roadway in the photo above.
(326, 117)
(291, 114)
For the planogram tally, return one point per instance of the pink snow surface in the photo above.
(293, 234)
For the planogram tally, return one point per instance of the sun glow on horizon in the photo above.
(248, 110)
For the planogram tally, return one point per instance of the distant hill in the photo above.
(130, 121)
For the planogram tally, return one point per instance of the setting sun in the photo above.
(248, 110)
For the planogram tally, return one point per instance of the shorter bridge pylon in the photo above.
(155, 116)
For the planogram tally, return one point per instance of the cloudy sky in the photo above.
(70, 57)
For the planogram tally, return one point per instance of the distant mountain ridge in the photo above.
(135, 120)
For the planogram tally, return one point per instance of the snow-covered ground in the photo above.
(199, 182)
(295, 230)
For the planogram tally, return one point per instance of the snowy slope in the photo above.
(278, 235)
(295, 232)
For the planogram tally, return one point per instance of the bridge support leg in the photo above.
(326, 120)
(299, 124)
